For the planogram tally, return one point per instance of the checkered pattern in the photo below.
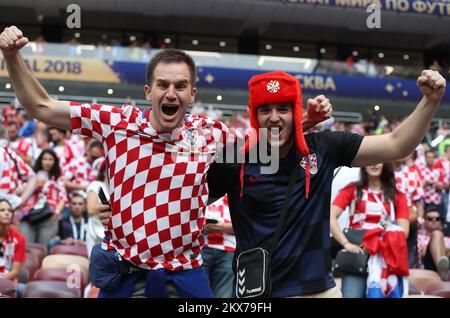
(220, 211)
(433, 175)
(53, 191)
(158, 183)
(77, 145)
(78, 170)
(408, 182)
(369, 213)
(445, 164)
(422, 242)
(22, 146)
(10, 177)
(13, 248)
(65, 154)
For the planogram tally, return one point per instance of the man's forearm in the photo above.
(30, 93)
(410, 132)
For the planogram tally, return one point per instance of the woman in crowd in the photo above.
(375, 206)
(41, 212)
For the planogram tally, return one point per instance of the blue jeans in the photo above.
(218, 266)
(353, 286)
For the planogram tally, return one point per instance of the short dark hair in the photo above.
(95, 144)
(432, 208)
(62, 131)
(76, 195)
(171, 56)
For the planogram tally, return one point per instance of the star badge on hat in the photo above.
(273, 86)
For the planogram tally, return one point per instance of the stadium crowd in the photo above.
(49, 180)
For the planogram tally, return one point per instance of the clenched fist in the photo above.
(12, 40)
(319, 109)
(432, 85)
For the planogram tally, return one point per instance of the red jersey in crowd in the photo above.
(373, 208)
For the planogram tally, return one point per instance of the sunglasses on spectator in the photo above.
(435, 218)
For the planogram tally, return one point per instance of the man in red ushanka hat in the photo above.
(301, 260)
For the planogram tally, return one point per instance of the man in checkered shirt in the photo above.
(157, 164)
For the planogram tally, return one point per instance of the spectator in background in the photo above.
(443, 129)
(435, 66)
(12, 245)
(372, 120)
(375, 203)
(95, 229)
(60, 146)
(17, 179)
(72, 229)
(29, 126)
(21, 145)
(434, 181)
(50, 193)
(219, 247)
(40, 142)
(433, 247)
(10, 112)
(79, 173)
(409, 182)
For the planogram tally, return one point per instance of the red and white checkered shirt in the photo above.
(13, 250)
(408, 182)
(369, 213)
(445, 164)
(422, 242)
(22, 146)
(78, 170)
(13, 170)
(65, 154)
(76, 143)
(220, 211)
(434, 175)
(158, 184)
(53, 192)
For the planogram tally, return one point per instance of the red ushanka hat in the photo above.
(273, 88)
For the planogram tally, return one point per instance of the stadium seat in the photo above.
(31, 264)
(439, 289)
(65, 261)
(80, 250)
(8, 288)
(36, 251)
(50, 289)
(421, 278)
(24, 275)
(413, 290)
(37, 246)
(59, 274)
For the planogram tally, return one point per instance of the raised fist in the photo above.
(432, 85)
(12, 40)
(319, 109)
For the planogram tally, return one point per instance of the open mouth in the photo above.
(169, 109)
(275, 130)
